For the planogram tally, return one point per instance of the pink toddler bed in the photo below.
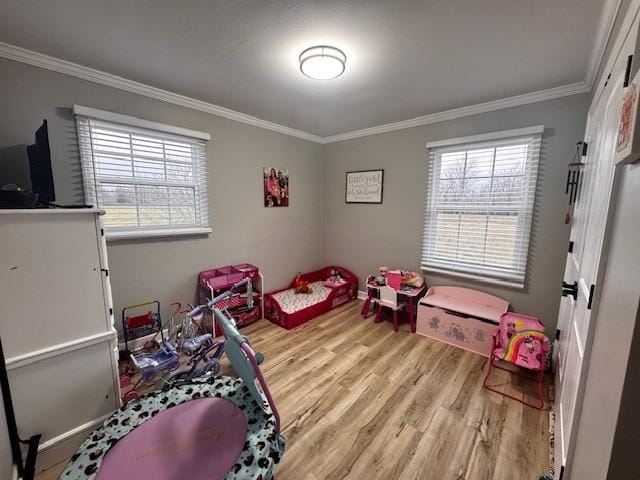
(288, 309)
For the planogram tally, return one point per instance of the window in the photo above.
(479, 207)
(150, 178)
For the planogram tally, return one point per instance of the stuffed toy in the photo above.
(412, 279)
(301, 286)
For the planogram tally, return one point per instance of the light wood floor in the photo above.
(360, 401)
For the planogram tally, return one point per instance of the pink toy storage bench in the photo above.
(289, 310)
(460, 316)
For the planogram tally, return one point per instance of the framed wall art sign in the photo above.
(364, 186)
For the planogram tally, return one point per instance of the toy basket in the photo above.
(226, 277)
(142, 324)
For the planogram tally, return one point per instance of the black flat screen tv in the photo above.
(40, 167)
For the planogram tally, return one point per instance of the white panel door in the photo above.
(51, 283)
(589, 221)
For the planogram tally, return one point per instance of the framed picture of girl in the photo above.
(276, 187)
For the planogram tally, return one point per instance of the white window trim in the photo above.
(473, 139)
(114, 236)
(487, 137)
(121, 234)
(137, 122)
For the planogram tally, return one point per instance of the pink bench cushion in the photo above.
(196, 440)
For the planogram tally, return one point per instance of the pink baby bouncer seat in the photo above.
(520, 341)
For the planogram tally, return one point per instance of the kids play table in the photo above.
(411, 294)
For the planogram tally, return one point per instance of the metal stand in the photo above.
(26, 468)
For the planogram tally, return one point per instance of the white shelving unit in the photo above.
(56, 324)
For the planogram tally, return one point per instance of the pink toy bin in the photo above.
(461, 317)
(394, 279)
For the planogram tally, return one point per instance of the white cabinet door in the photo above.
(56, 326)
(51, 283)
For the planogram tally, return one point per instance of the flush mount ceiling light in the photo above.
(322, 62)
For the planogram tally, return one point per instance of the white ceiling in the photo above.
(406, 58)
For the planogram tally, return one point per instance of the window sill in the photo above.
(115, 236)
(477, 278)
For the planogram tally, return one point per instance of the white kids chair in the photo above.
(389, 299)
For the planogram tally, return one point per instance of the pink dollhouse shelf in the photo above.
(226, 277)
(211, 282)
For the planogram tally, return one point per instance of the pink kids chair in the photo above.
(520, 341)
(389, 299)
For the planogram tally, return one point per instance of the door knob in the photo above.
(570, 289)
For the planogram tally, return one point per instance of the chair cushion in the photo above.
(525, 348)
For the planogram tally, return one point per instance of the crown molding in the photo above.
(36, 59)
(605, 26)
(518, 100)
(633, 9)
(603, 33)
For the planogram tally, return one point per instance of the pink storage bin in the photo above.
(223, 277)
(226, 277)
(247, 270)
(394, 279)
(461, 317)
(205, 276)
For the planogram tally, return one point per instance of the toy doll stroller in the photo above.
(160, 357)
(204, 351)
(190, 331)
(204, 361)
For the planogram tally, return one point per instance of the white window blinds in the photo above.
(149, 181)
(479, 205)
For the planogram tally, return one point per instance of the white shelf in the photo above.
(23, 211)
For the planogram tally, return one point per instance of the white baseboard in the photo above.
(362, 295)
(60, 448)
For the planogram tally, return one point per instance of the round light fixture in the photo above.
(322, 62)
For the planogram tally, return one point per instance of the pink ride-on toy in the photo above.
(520, 341)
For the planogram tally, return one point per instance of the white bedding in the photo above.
(291, 302)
